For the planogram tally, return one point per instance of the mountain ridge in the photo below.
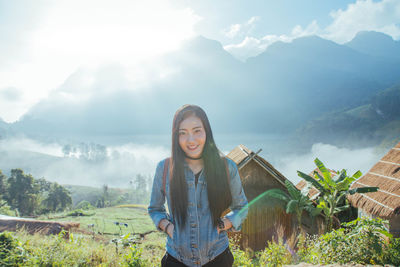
(278, 91)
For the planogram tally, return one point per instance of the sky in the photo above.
(43, 42)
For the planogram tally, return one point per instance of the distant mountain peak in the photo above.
(376, 44)
(372, 35)
(202, 43)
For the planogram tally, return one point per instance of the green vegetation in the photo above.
(103, 221)
(377, 122)
(21, 194)
(296, 201)
(333, 190)
(124, 235)
(363, 241)
(138, 193)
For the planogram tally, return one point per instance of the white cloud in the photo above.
(71, 34)
(10, 94)
(122, 164)
(311, 29)
(333, 157)
(251, 46)
(240, 30)
(26, 144)
(11, 103)
(364, 15)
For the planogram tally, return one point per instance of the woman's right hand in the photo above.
(170, 230)
(167, 227)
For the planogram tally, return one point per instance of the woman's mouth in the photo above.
(193, 147)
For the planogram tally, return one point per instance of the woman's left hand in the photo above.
(227, 224)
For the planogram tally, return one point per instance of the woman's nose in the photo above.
(190, 138)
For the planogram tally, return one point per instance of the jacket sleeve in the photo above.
(239, 207)
(156, 208)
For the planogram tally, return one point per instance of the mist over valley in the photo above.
(295, 101)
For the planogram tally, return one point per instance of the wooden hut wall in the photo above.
(266, 216)
(256, 180)
(394, 227)
(311, 225)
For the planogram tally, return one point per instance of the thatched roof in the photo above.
(241, 155)
(385, 174)
(314, 192)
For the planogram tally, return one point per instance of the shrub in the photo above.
(133, 257)
(391, 254)
(79, 212)
(6, 209)
(275, 254)
(84, 205)
(361, 242)
(57, 250)
(241, 258)
(11, 250)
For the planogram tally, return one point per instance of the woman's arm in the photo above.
(167, 227)
(156, 209)
(239, 206)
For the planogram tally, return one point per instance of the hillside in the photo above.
(375, 123)
(279, 90)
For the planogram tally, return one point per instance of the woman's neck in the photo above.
(195, 164)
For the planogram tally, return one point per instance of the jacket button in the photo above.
(193, 225)
(193, 245)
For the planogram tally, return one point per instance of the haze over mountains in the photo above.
(301, 93)
(277, 91)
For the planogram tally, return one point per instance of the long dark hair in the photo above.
(219, 193)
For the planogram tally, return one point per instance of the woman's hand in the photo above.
(227, 224)
(170, 230)
(167, 227)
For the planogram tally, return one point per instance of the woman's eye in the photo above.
(181, 133)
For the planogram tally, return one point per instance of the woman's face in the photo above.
(192, 136)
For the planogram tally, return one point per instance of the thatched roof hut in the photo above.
(385, 203)
(266, 218)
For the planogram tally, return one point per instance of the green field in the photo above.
(139, 244)
(135, 217)
(100, 223)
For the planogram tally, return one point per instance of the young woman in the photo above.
(199, 185)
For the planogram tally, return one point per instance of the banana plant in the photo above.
(296, 201)
(333, 189)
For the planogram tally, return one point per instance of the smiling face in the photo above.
(192, 136)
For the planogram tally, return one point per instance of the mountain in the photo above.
(4, 129)
(376, 44)
(312, 75)
(371, 124)
(276, 92)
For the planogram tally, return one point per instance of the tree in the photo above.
(3, 180)
(58, 198)
(22, 192)
(103, 200)
(296, 201)
(333, 190)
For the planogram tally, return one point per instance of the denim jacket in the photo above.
(198, 242)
